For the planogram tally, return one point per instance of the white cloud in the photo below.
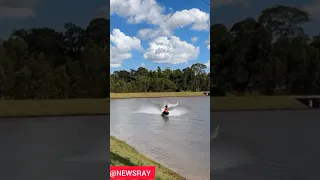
(138, 11)
(153, 33)
(143, 65)
(164, 47)
(149, 11)
(180, 19)
(207, 64)
(194, 39)
(123, 45)
(171, 50)
(208, 42)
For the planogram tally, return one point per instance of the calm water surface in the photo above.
(54, 148)
(182, 143)
(266, 145)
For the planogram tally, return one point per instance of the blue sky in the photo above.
(229, 12)
(162, 33)
(37, 13)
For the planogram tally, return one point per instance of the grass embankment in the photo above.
(255, 103)
(121, 154)
(154, 95)
(64, 107)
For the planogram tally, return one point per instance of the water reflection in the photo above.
(266, 145)
(54, 148)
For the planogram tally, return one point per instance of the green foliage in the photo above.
(271, 56)
(192, 78)
(41, 63)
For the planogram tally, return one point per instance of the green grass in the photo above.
(154, 95)
(255, 103)
(121, 154)
(27, 108)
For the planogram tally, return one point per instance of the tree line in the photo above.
(270, 55)
(192, 78)
(42, 63)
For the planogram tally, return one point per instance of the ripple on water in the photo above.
(181, 142)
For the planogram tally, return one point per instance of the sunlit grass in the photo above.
(121, 154)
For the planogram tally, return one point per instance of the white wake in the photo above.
(157, 108)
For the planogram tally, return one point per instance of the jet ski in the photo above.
(165, 113)
(169, 106)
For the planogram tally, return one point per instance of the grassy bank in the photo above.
(255, 103)
(154, 95)
(121, 154)
(24, 108)
(21, 108)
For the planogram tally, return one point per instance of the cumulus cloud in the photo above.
(149, 11)
(17, 9)
(149, 33)
(143, 65)
(138, 11)
(198, 19)
(122, 47)
(208, 42)
(194, 39)
(207, 64)
(171, 50)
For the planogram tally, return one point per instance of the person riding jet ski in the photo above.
(166, 110)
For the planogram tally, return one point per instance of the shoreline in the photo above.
(97, 107)
(252, 110)
(155, 95)
(122, 154)
(255, 103)
(53, 116)
(54, 108)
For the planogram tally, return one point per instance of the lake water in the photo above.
(265, 145)
(180, 142)
(54, 148)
